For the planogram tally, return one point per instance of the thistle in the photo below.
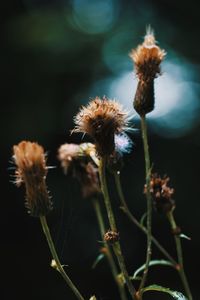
(31, 170)
(76, 161)
(102, 119)
(66, 154)
(147, 59)
(161, 193)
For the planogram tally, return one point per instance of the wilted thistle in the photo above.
(105, 121)
(147, 58)
(31, 170)
(161, 193)
(76, 161)
(66, 154)
(81, 162)
(102, 119)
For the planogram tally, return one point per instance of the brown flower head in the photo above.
(66, 154)
(161, 193)
(101, 119)
(31, 170)
(78, 161)
(111, 237)
(147, 58)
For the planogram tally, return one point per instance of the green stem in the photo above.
(133, 219)
(149, 200)
(55, 257)
(108, 252)
(116, 245)
(181, 270)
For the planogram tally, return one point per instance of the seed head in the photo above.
(123, 145)
(31, 170)
(101, 119)
(147, 58)
(161, 193)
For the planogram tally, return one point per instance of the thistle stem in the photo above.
(116, 245)
(133, 219)
(108, 252)
(181, 270)
(149, 200)
(55, 257)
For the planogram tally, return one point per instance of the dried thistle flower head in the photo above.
(66, 154)
(31, 170)
(147, 58)
(76, 160)
(161, 193)
(101, 119)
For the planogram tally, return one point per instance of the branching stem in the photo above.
(116, 245)
(133, 219)
(108, 251)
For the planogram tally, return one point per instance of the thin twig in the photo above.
(59, 267)
(133, 219)
(181, 270)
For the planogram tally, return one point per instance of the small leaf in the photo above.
(184, 236)
(143, 219)
(153, 263)
(97, 260)
(176, 295)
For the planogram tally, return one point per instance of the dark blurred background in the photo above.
(55, 55)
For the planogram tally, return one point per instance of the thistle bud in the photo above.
(111, 237)
(147, 59)
(32, 170)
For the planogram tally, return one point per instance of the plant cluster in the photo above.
(106, 122)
